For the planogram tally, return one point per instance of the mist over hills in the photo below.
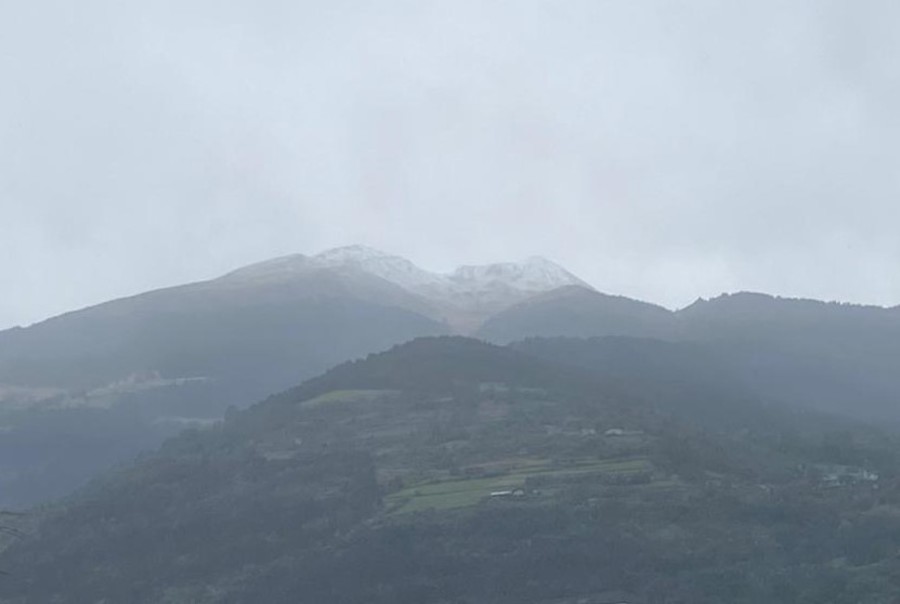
(840, 358)
(606, 448)
(92, 387)
(284, 319)
(158, 361)
(555, 471)
(463, 298)
(580, 312)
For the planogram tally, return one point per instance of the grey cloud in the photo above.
(660, 149)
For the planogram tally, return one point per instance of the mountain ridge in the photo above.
(188, 352)
(463, 297)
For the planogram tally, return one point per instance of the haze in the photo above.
(659, 149)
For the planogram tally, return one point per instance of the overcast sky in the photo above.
(660, 149)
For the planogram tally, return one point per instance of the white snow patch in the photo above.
(475, 289)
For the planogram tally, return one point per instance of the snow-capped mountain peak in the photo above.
(396, 269)
(536, 274)
(349, 254)
(470, 291)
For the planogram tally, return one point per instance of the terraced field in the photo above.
(345, 396)
(451, 494)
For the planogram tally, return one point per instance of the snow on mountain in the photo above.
(276, 269)
(463, 297)
(395, 269)
(535, 274)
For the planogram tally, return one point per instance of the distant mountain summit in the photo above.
(94, 386)
(153, 363)
(463, 298)
(391, 268)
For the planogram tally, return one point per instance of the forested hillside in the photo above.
(840, 358)
(448, 470)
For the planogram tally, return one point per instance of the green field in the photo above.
(344, 396)
(450, 494)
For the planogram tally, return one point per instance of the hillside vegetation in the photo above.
(451, 471)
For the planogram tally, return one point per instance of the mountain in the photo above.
(271, 323)
(834, 357)
(448, 470)
(92, 387)
(463, 298)
(87, 389)
(579, 312)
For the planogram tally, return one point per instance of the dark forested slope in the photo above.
(447, 470)
(836, 357)
(839, 358)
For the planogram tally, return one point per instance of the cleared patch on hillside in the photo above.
(346, 396)
(536, 478)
